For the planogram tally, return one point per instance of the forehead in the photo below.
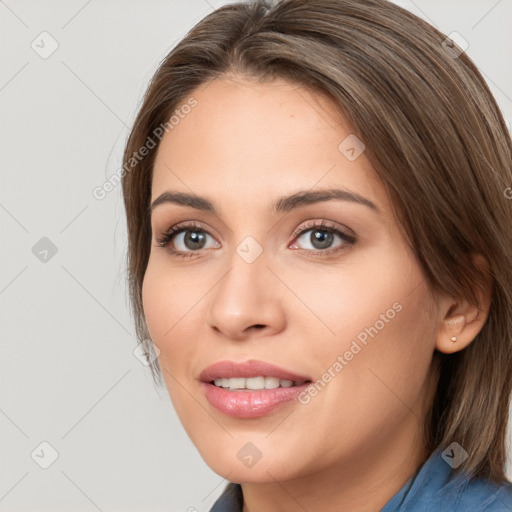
(247, 140)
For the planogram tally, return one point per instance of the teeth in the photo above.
(259, 382)
(236, 383)
(253, 383)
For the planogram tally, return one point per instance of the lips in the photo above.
(253, 368)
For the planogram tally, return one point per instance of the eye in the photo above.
(187, 238)
(323, 237)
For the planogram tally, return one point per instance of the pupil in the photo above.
(194, 239)
(321, 239)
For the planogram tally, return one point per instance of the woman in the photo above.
(319, 219)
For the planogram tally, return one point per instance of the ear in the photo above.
(461, 321)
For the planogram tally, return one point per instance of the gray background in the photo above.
(68, 373)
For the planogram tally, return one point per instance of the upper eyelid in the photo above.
(316, 223)
(326, 224)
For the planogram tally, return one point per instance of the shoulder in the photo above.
(437, 488)
(471, 495)
(485, 496)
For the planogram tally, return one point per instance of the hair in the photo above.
(435, 137)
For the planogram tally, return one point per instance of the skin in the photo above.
(355, 444)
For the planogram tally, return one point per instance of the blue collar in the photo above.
(434, 487)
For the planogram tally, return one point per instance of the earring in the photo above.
(453, 338)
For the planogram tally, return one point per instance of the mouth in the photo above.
(255, 383)
(251, 375)
(250, 389)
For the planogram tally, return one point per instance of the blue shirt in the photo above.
(432, 489)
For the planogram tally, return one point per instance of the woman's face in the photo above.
(324, 289)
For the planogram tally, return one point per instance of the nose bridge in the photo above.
(245, 296)
(242, 287)
(247, 262)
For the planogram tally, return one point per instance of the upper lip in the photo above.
(252, 368)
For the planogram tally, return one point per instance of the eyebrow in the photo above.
(281, 205)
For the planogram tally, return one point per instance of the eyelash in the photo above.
(173, 231)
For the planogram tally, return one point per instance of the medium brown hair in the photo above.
(435, 137)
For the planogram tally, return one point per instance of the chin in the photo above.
(258, 471)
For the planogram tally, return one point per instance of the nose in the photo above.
(246, 302)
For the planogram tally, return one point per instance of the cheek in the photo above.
(344, 302)
(170, 310)
(168, 302)
(157, 305)
(386, 380)
(380, 339)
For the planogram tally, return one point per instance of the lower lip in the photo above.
(250, 404)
